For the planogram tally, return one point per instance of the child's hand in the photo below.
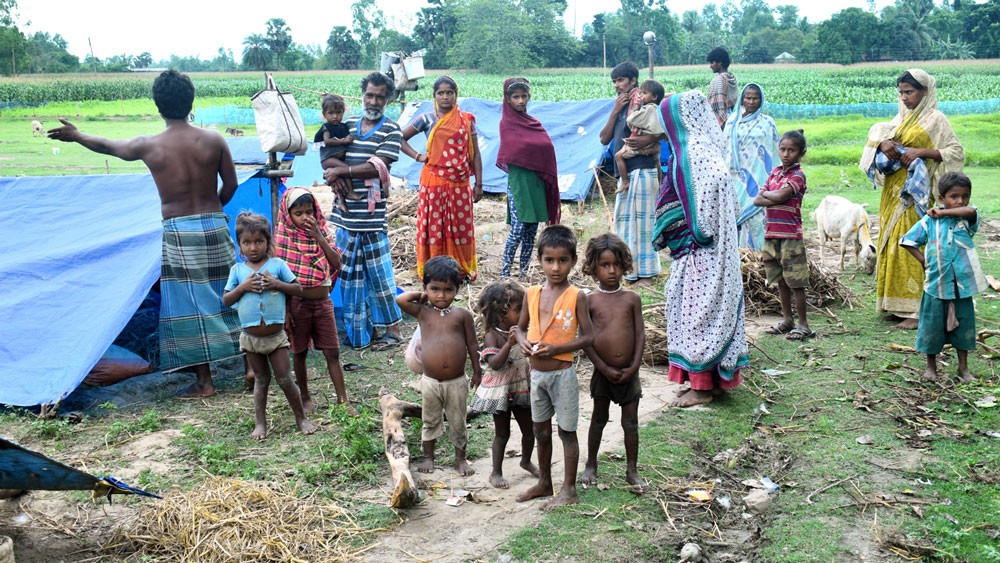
(345, 141)
(934, 212)
(543, 350)
(251, 283)
(268, 281)
(477, 378)
(528, 347)
(422, 157)
(614, 375)
(310, 224)
(512, 339)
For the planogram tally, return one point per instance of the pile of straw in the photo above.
(759, 298)
(228, 520)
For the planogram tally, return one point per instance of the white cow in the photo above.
(840, 219)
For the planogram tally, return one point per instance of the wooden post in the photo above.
(404, 491)
(600, 190)
(93, 59)
(272, 164)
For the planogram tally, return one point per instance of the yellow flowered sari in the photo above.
(900, 279)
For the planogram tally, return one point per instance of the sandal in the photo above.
(387, 340)
(799, 333)
(784, 327)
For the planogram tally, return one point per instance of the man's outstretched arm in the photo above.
(125, 149)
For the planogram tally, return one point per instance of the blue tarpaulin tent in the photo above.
(78, 254)
(573, 126)
(246, 150)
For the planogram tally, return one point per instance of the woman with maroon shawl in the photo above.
(528, 157)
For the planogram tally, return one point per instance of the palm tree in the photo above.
(278, 38)
(256, 55)
(913, 15)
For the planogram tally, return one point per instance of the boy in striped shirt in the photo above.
(784, 252)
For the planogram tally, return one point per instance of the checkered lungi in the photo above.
(367, 284)
(635, 216)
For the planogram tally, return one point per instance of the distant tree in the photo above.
(948, 49)
(278, 39)
(297, 57)
(788, 16)
(914, 17)
(342, 50)
(436, 27)
(223, 61)
(256, 55)
(143, 60)
(368, 22)
(493, 36)
(859, 30)
(982, 29)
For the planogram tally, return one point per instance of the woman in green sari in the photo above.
(921, 132)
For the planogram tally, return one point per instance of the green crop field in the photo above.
(796, 84)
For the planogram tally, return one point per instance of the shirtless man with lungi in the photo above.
(186, 162)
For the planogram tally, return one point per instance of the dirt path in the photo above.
(436, 531)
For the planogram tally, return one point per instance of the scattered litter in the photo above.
(769, 485)
(925, 433)
(454, 500)
(950, 518)
(763, 409)
(699, 495)
(986, 402)
(991, 434)
(603, 487)
(924, 481)
(747, 515)
(21, 518)
(917, 510)
(946, 502)
(758, 501)
(461, 493)
(865, 440)
(773, 372)
(753, 483)
(724, 502)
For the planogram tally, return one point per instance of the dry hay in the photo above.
(759, 298)
(229, 520)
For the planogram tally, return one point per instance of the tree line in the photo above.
(503, 35)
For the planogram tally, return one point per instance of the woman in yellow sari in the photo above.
(919, 131)
(444, 208)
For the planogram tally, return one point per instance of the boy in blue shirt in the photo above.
(952, 274)
(258, 287)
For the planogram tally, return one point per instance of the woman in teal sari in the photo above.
(751, 154)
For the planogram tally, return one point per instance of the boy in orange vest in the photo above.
(547, 334)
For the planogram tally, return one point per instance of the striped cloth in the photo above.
(304, 256)
(953, 269)
(195, 327)
(367, 284)
(635, 216)
(785, 220)
(384, 141)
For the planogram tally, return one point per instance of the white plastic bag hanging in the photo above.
(279, 125)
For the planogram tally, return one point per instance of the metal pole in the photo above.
(604, 43)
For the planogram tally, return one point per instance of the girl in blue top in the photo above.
(258, 288)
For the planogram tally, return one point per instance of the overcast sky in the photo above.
(199, 27)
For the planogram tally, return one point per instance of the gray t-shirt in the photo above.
(622, 132)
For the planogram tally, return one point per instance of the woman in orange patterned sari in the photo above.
(444, 211)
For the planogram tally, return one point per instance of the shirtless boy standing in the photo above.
(619, 339)
(186, 163)
(448, 334)
(547, 334)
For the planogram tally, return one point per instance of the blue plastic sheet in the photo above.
(573, 126)
(78, 254)
(246, 150)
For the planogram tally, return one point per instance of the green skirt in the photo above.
(528, 193)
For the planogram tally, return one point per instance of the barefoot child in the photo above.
(505, 389)
(954, 275)
(784, 251)
(547, 334)
(258, 287)
(334, 137)
(643, 120)
(448, 334)
(616, 315)
(303, 241)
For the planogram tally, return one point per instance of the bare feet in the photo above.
(426, 466)
(530, 467)
(463, 467)
(907, 324)
(248, 382)
(497, 480)
(681, 391)
(562, 499)
(638, 484)
(305, 426)
(196, 390)
(539, 490)
(308, 406)
(350, 409)
(930, 374)
(259, 432)
(692, 398)
(589, 476)
(965, 376)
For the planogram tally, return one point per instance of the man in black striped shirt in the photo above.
(367, 279)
